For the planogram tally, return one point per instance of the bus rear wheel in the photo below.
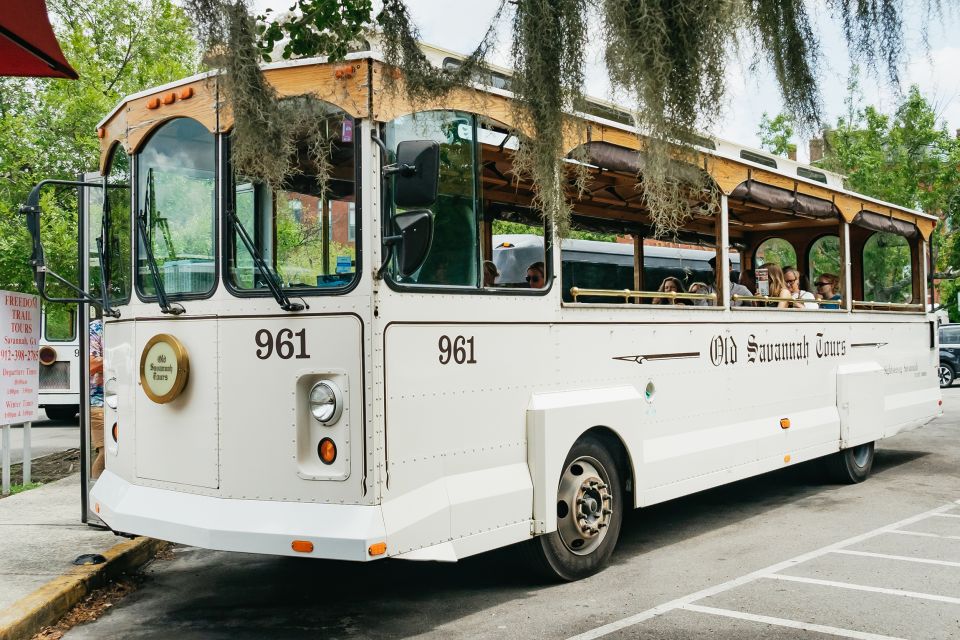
(850, 466)
(589, 514)
(62, 412)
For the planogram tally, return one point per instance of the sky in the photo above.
(751, 92)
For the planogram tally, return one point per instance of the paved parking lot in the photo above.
(778, 556)
(906, 576)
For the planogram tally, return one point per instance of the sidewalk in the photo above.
(40, 536)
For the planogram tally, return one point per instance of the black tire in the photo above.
(851, 466)
(947, 375)
(62, 412)
(559, 560)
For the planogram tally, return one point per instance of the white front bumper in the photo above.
(339, 532)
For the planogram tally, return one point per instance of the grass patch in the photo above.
(20, 488)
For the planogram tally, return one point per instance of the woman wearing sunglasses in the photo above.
(535, 275)
(827, 290)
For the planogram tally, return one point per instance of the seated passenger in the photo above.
(671, 285)
(701, 288)
(778, 287)
(736, 289)
(490, 274)
(791, 277)
(536, 276)
(827, 285)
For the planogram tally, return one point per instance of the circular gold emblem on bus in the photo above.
(164, 368)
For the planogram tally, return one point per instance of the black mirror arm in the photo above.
(31, 209)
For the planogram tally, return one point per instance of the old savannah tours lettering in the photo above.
(164, 368)
(724, 350)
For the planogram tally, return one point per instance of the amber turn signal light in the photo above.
(302, 546)
(327, 450)
(784, 423)
(377, 549)
(115, 432)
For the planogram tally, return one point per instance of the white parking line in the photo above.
(792, 624)
(870, 554)
(861, 587)
(947, 515)
(924, 534)
(682, 601)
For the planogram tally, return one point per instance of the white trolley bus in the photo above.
(59, 356)
(323, 371)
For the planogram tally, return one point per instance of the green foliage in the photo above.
(777, 251)
(908, 158)
(328, 26)
(47, 126)
(776, 134)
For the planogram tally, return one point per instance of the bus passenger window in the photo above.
(517, 252)
(453, 259)
(307, 230)
(887, 272)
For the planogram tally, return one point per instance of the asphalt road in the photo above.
(778, 556)
(46, 436)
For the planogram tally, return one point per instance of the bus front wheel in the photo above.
(850, 466)
(589, 514)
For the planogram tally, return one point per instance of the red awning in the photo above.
(27, 44)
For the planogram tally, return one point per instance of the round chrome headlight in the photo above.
(326, 402)
(110, 393)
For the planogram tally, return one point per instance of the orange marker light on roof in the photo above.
(169, 98)
(101, 133)
(302, 546)
(343, 71)
(115, 432)
(784, 423)
(185, 93)
(377, 549)
(786, 458)
(153, 103)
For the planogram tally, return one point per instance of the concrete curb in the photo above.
(49, 603)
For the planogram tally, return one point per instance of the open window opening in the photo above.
(305, 231)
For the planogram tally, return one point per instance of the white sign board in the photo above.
(19, 357)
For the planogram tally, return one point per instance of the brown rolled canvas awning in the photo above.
(28, 46)
(886, 224)
(785, 200)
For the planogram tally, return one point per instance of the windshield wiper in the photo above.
(165, 305)
(105, 305)
(269, 275)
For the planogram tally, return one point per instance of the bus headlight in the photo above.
(326, 402)
(110, 393)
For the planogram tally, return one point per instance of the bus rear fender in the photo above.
(556, 420)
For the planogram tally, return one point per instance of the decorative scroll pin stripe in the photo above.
(868, 344)
(651, 357)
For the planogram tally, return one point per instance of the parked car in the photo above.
(949, 354)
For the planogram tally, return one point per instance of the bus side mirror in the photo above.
(413, 241)
(417, 172)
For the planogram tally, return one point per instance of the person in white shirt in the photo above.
(792, 279)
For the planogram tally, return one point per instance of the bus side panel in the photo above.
(120, 363)
(468, 473)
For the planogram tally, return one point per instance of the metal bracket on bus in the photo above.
(32, 212)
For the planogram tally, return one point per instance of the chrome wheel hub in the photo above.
(584, 505)
(861, 454)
